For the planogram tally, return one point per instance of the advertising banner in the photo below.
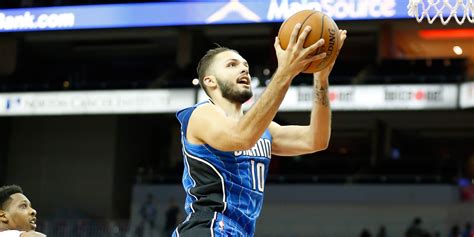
(191, 13)
(96, 102)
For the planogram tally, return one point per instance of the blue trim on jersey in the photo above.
(184, 115)
(192, 185)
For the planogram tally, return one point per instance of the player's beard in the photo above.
(231, 93)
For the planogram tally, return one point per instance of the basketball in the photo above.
(322, 26)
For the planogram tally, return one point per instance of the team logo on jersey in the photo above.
(221, 225)
(263, 148)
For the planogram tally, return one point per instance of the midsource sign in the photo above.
(338, 9)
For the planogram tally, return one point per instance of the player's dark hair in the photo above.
(6, 192)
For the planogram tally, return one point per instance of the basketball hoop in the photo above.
(460, 10)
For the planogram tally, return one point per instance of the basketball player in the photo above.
(17, 217)
(227, 153)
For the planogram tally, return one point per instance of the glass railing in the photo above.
(320, 179)
(83, 228)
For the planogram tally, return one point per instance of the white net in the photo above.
(460, 10)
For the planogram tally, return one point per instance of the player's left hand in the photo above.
(325, 72)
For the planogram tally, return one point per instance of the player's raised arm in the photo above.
(296, 140)
(228, 131)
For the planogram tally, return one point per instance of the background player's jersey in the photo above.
(231, 183)
(10, 233)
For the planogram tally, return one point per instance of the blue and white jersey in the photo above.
(230, 184)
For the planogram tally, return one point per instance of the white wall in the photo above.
(345, 219)
(340, 210)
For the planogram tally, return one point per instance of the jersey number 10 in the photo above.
(258, 175)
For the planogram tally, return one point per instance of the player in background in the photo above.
(17, 217)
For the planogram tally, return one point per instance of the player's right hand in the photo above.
(326, 71)
(295, 58)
